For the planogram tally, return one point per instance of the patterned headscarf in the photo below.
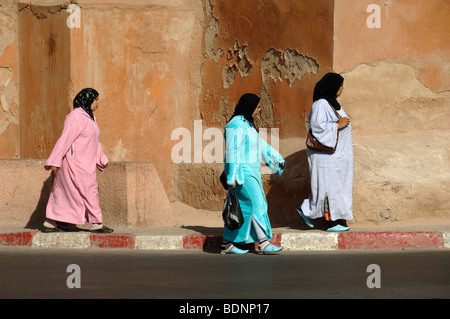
(84, 99)
(327, 89)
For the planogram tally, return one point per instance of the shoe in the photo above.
(270, 249)
(338, 228)
(231, 249)
(103, 230)
(53, 230)
(306, 219)
(52, 226)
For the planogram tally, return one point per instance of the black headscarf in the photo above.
(84, 99)
(327, 89)
(246, 106)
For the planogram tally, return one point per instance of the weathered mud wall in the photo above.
(9, 81)
(144, 58)
(163, 65)
(44, 59)
(277, 49)
(145, 61)
(397, 92)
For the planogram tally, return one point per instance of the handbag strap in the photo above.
(336, 112)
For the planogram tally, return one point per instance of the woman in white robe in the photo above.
(331, 172)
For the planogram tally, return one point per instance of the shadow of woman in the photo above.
(287, 192)
(37, 218)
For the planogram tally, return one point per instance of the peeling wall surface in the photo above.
(276, 50)
(397, 92)
(265, 47)
(9, 81)
(166, 66)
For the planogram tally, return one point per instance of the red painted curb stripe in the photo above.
(390, 240)
(17, 239)
(201, 241)
(113, 241)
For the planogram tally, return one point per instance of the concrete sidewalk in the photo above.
(209, 238)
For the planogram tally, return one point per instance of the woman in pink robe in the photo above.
(77, 153)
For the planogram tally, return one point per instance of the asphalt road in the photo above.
(125, 274)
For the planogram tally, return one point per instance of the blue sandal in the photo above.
(306, 219)
(338, 228)
(270, 249)
(231, 249)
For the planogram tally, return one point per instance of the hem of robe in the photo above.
(251, 237)
(63, 219)
(247, 233)
(312, 212)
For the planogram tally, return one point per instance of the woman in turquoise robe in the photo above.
(244, 151)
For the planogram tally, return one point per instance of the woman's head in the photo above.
(87, 100)
(248, 106)
(329, 88)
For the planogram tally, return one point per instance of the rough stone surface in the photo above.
(400, 141)
(61, 240)
(310, 241)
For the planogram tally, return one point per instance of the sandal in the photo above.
(231, 249)
(103, 230)
(338, 228)
(269, 249)
(306, 219)
(53, 230)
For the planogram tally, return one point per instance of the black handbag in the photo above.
(232, 213)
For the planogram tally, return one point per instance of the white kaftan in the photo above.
(331, 173)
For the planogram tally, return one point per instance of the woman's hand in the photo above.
(54, 169)
(343, 122)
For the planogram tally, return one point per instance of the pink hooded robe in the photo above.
(74, 195)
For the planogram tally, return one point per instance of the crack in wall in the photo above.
(42, 12)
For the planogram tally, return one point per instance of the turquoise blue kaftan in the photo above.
(244, 151)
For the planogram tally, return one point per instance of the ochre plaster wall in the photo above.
(159, 65)
(277, 49)
(397, 92)
(44, 51)
(144, 58)
(413, 32)
(9, 81)
(145, 61)
(272, 48)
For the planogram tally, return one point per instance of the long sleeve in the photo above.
(272, 158)
(323, 123)
(102, 160)
(234, 138)
(69, 134)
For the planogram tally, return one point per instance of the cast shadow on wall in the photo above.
(284, 193)
(289, 191)
(37, 218)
